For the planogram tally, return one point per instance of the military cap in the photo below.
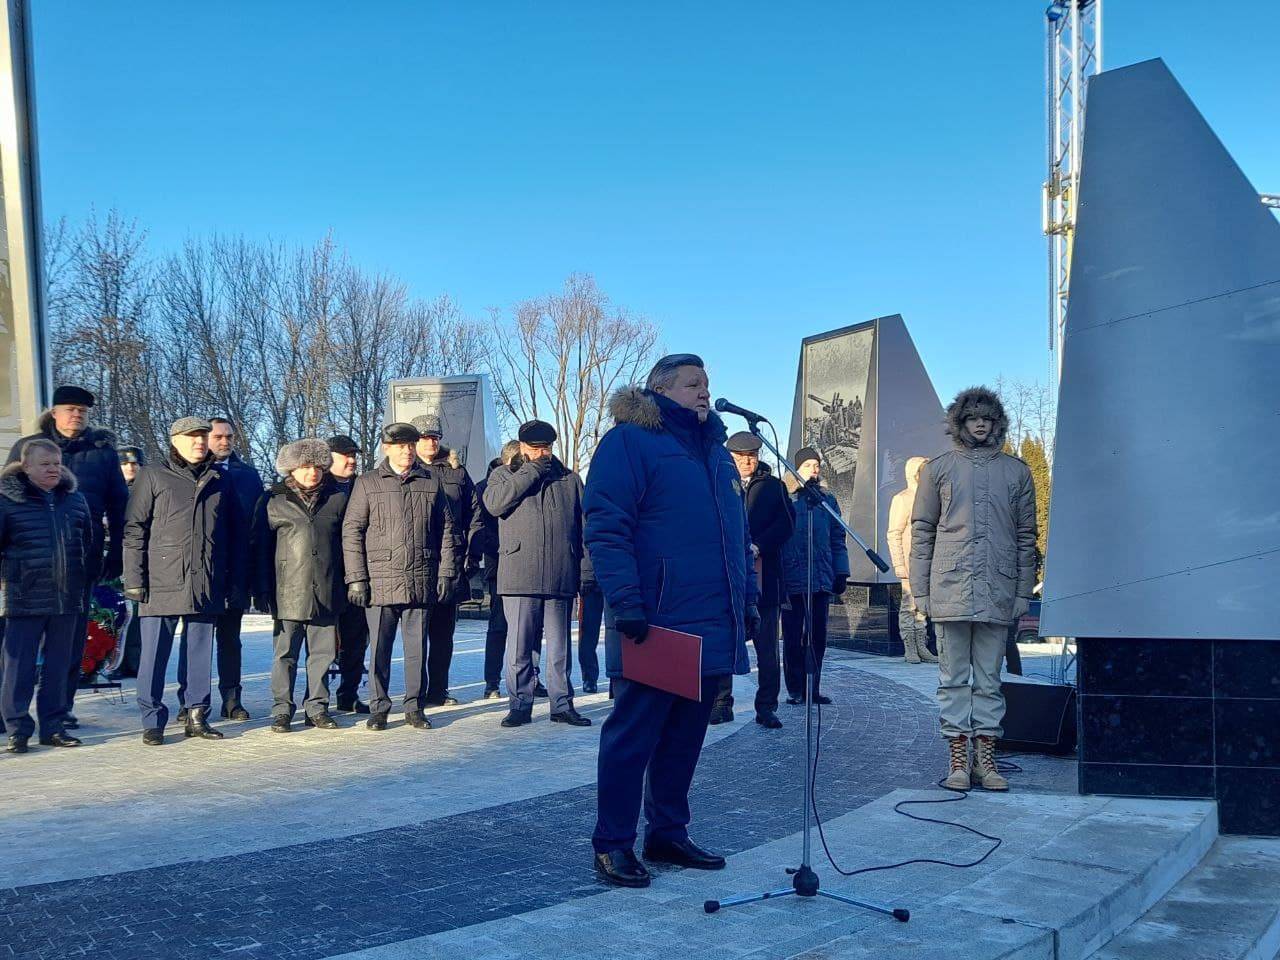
(744, 441)
(342, 444)
(400, 433)
(131, 455)
(537, 433)
(189, 425)
(428, 425)
(77, 395)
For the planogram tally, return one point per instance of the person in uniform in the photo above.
(399, 547)
(353, 624)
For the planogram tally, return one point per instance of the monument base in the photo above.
(1184, 718)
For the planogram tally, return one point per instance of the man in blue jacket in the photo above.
(667, 532)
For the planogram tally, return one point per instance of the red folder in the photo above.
(668, 659)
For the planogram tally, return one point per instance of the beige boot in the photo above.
(909, 649)
(922, 648)
(985, 774)
(958, 778)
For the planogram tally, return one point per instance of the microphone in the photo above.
(724, 406)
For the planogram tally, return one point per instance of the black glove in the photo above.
(358, 593)
(812, 492)
(517, 462)
(541, 464)
(752, 621)
(136, 594)
(112, 568)
(634, 627)
(841, 584)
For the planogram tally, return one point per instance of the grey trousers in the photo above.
(322, 645)
(914, 632)
(969, 696)
(534, 622)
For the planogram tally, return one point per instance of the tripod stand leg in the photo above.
(898, 913)
(711, 906)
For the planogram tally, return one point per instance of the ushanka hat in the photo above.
(308, 452)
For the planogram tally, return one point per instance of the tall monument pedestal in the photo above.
(1184, 718)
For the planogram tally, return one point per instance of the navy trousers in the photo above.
(589, 634)
(768, 672)
(288, 639)
(649, 747)
(383, 622)
(441, 622)
(23, 639)
(495, 639)
(195, 666)
(227, 637)
(79, 634)
(534, 623)
(353, 644)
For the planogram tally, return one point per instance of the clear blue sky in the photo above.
(743, 173)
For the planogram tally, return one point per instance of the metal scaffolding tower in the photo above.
(1073, 53)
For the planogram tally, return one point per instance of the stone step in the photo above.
(1227, 908)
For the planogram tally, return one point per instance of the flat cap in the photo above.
(400, 433)
(428, 425)
(537, 433)
(189, 425)
(744, 441)
(77, 395)
(131, 455)
(341, 443)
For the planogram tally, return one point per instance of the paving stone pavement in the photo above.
(319, 843)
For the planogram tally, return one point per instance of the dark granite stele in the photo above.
(1184, 718)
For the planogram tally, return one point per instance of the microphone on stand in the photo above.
(724, 406)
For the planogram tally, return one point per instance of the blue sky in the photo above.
(742, 173)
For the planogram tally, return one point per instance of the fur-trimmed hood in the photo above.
(15, 485)
(91, 436)
(307, 452)
(639, 406)
(977, 400)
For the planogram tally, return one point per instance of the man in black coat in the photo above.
(771, 520)
(538, 503)
(483, 548)
(460, 493)
(45, 540)
(184, 559)
(398, 545)
(297, 538)
(248, 487)
(90, 454)
(353, 625)
(132, 460)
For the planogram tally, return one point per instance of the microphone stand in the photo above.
(804, 881)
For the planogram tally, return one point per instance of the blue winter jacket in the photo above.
(830, 554)
(667, 530)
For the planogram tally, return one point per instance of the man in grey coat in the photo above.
(972, 568)
(538, 503)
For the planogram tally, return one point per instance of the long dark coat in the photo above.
(298, 553)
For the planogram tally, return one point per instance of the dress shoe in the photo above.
(353, 706)
(823, 699)
(152, 738)
(197, 726)
(182, 715)
(571, 717)
(237, 713)
(622, 869)
(492, 693)
(448, 701)
(416, 720)
(539, 690)
(281, 724)
(517, 718)
(17, 743)
(682, 853)
(59, 740)
(376, 721)
(721, 713)
(307, 721)
(322, 721)
(588, 687)
(71, 723)
(795, 701)
(768, 719)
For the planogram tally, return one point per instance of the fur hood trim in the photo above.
(15, 485)
(94, 435)
(308, 452)
(977, 400)
(636, 405)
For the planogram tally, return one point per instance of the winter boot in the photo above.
(909, 648)
(198, 726)
(985, 774)
(922, 648)
(958, 778)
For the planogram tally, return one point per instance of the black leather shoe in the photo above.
(182, 715)
(307, 721)
(152, 738)
(721, 714)
(376, 721)
(768, 719)
(622, 869)
(448, 701)
(571, 717)
(417, 721)
(17, 744)
(352, 706)
(71, 723)
(588, 687)
(198, 727)
(492, 693)
(517, 718)
(281, 724)
(795, 701)
(238, 714)
(322, 721)
(682, 853)
(539, 690)
(822, 698)
(59, 740)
